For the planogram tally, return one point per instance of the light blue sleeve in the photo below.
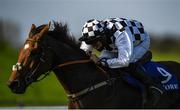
(125, 48)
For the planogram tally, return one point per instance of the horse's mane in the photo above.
(60, 32)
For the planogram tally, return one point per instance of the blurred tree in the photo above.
(9, 33)
(166, 43)
(1, 35)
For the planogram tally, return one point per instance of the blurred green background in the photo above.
(160, 18)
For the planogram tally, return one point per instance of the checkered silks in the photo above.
(121, 24)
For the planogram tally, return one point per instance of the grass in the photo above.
(48, 91)
(166, 56)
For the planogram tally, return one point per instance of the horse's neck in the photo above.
(74, 77)
(77, 77)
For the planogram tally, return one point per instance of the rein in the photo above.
(74, 62)
(80, 62)
(91, 88)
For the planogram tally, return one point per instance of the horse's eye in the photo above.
(34, 53)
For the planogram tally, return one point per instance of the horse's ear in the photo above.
(44, 30)
(32, 28)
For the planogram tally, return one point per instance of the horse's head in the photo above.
(53, 50)
(34, 60)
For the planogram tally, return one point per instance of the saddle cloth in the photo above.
(159, 73)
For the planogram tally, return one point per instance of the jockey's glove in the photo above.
(103, 62)
(97, 61)
(94, 58)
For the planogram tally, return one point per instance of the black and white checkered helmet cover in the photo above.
(92, 29)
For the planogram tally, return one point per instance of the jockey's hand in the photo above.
(94, 58)
(103, 62)
(97, 61)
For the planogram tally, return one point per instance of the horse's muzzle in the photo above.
(15, 87)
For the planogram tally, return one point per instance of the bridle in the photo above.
(28, 77)
(41, 60)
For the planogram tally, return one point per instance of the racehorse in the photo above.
(86, 84)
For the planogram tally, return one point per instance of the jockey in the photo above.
(122, 43)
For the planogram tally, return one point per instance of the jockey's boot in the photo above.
(154, 90)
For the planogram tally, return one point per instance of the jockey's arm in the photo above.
(125, 48)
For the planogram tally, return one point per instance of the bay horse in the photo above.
(86, 84)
